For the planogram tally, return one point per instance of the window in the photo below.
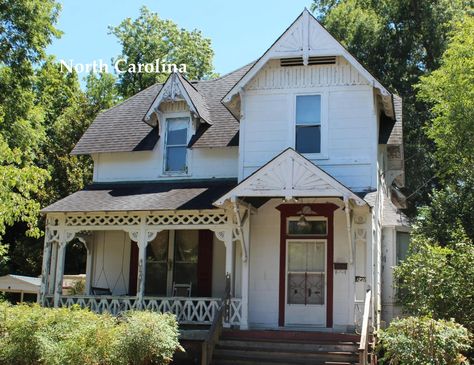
(308, 123)
(176, 144)
(308, 226)
(403, 241)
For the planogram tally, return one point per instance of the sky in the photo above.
(240, 30)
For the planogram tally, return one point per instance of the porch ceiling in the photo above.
(144, 196)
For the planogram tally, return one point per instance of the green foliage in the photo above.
(421, 341)
(400, 41)
(147, 338)
(439, 281)
(18, 184)
(34, 335)
(149, 38)
(449, 91)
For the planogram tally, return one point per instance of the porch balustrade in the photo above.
(187, 310)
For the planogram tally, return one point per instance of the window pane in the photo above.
(157, 265)
(312, 227)
(176, 158)
(177, 129)
(308, 139)
(186, 258)
(308, 109)
(403, 241)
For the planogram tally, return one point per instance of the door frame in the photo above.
(309, 240)
(319, 210)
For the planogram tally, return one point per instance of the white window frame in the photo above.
(323, 154)
(165, 144)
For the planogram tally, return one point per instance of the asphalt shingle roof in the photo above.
(144, 196)
(122, 129)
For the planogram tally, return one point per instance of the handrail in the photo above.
(364, 335)
(215, 330)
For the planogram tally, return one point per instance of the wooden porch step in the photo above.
(302, 336)
(285, 348)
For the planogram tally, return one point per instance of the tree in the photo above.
(399, 41)
(449, 91)
(149, 38)
(26, 28)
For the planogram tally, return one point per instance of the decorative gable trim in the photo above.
(306, 38)
(290, 175)
(176, 89)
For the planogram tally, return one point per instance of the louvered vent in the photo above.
(298, 61)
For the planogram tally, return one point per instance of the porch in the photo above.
(188, 263)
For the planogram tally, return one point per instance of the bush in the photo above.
(438, 281)
(422, 340)
(73, 336)
(147, 339)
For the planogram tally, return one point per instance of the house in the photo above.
(275, 186)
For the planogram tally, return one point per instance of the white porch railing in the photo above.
(187, 310)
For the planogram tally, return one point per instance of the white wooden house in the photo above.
(283, 175)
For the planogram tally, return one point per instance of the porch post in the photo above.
(61, 258)
(45, 269)
(142, 243)
(245, 277)
(229, 257)
(86, 241)
(52, 267)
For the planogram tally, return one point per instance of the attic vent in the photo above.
(298, 61)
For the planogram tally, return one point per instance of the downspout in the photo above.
(240, 230)
(348, 224)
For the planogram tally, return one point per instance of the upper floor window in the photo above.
(308, 123)
(176, 144)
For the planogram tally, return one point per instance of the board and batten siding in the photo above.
(349, 120)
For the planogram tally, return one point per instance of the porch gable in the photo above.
(290, 175)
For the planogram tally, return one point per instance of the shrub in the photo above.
(147, 339)
(73, 336)
(422, 340)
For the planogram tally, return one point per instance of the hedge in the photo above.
(30, 334)
(423, 340)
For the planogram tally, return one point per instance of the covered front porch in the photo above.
(186, 262)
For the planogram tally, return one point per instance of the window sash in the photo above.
(172, 125)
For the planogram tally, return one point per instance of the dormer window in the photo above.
(308, 123)
(176, 145)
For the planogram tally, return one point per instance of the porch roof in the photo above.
(144, 196)
(290, 175)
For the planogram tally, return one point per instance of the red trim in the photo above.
(133, 276)
(204, 266)
(321, 210)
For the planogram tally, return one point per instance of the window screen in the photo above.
(308, 123)
(176, 144)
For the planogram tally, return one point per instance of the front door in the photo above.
(305, 282)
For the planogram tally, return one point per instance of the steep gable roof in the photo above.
(306, 38)
(175, 88)
(122, 127)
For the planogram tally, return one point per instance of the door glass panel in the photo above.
(186, 258)
(315, 288)
(306, 272)
(157, 265)
(296, 288)
(315, 257)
